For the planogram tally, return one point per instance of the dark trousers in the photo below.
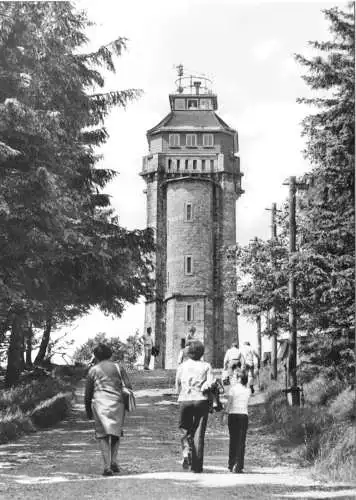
(147, 360)
(237, 424)
(193, 419)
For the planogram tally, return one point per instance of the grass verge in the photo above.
(324, 427)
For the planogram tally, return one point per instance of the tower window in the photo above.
(205, 103)
(194, 164)
(191, 140)
(186, 164)
(189, 312)
(174, 140)
(203, 164)
(178, 164)
(188, 264)
(212, 164)
(188, 212)
(169, 164)
(208, 140)
(179, 103)
(192, 104)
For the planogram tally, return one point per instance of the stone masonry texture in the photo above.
(191, 206)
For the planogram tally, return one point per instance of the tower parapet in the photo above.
(193, 180)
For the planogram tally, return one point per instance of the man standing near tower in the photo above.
(232, 357)
(147, 345)
(190, 336)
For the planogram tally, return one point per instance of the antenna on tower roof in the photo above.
(180, 72)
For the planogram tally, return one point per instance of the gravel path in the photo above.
(65, 463)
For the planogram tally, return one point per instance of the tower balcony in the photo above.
(183, 164)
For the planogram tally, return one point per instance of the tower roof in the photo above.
(187, 120)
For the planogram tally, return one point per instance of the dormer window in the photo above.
(191, 140)
(174, 140)
(208, 140)
(192, 103)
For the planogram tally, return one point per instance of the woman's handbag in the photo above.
(129, 399)
(128, 395)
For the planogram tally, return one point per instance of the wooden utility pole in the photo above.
(259, 338)
(292, 359)
(272, 315)
(237, 338)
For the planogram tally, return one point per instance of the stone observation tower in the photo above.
(193, 180)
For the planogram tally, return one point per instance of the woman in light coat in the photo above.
(104, 403)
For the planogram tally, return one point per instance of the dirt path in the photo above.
(65, 463)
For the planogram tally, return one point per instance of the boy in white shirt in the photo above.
(237, 410)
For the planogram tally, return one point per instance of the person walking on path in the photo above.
(237, 411)
(147, 346)
(232, 357)
(194, 379)
(182, 352)
(190, 335)
(104, 402)
(248, 363)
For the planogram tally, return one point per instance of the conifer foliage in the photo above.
(323, 265)
(327, 218)
(62, 249)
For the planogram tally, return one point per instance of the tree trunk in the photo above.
(15, 351)
(29, 336)
(44, 342)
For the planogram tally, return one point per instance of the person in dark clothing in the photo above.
(194, 378)
(237, 411)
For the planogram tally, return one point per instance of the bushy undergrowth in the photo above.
(324, 426)
(336, 457)
(321, 390)
(26, 396)
(53, 410)
(13, 425)
(38, 402)
(300, 425)
(343, 407)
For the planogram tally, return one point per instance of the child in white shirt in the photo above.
(237, 410)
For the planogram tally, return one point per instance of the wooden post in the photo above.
(237, 329)
(292, 361)
(273, 311)
(259, 339)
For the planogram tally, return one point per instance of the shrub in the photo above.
(321, 390)
(13, 425)
(52, 410)
(343, 407)
(47, 399)
(336, 457)
(27, 396)
(303, 425)
(275, 401)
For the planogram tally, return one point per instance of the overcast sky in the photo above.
(247, 49)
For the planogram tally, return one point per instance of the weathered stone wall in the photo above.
(210, 186)
(193, 238)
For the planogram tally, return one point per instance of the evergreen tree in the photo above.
(63, 250)
(326, 211)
